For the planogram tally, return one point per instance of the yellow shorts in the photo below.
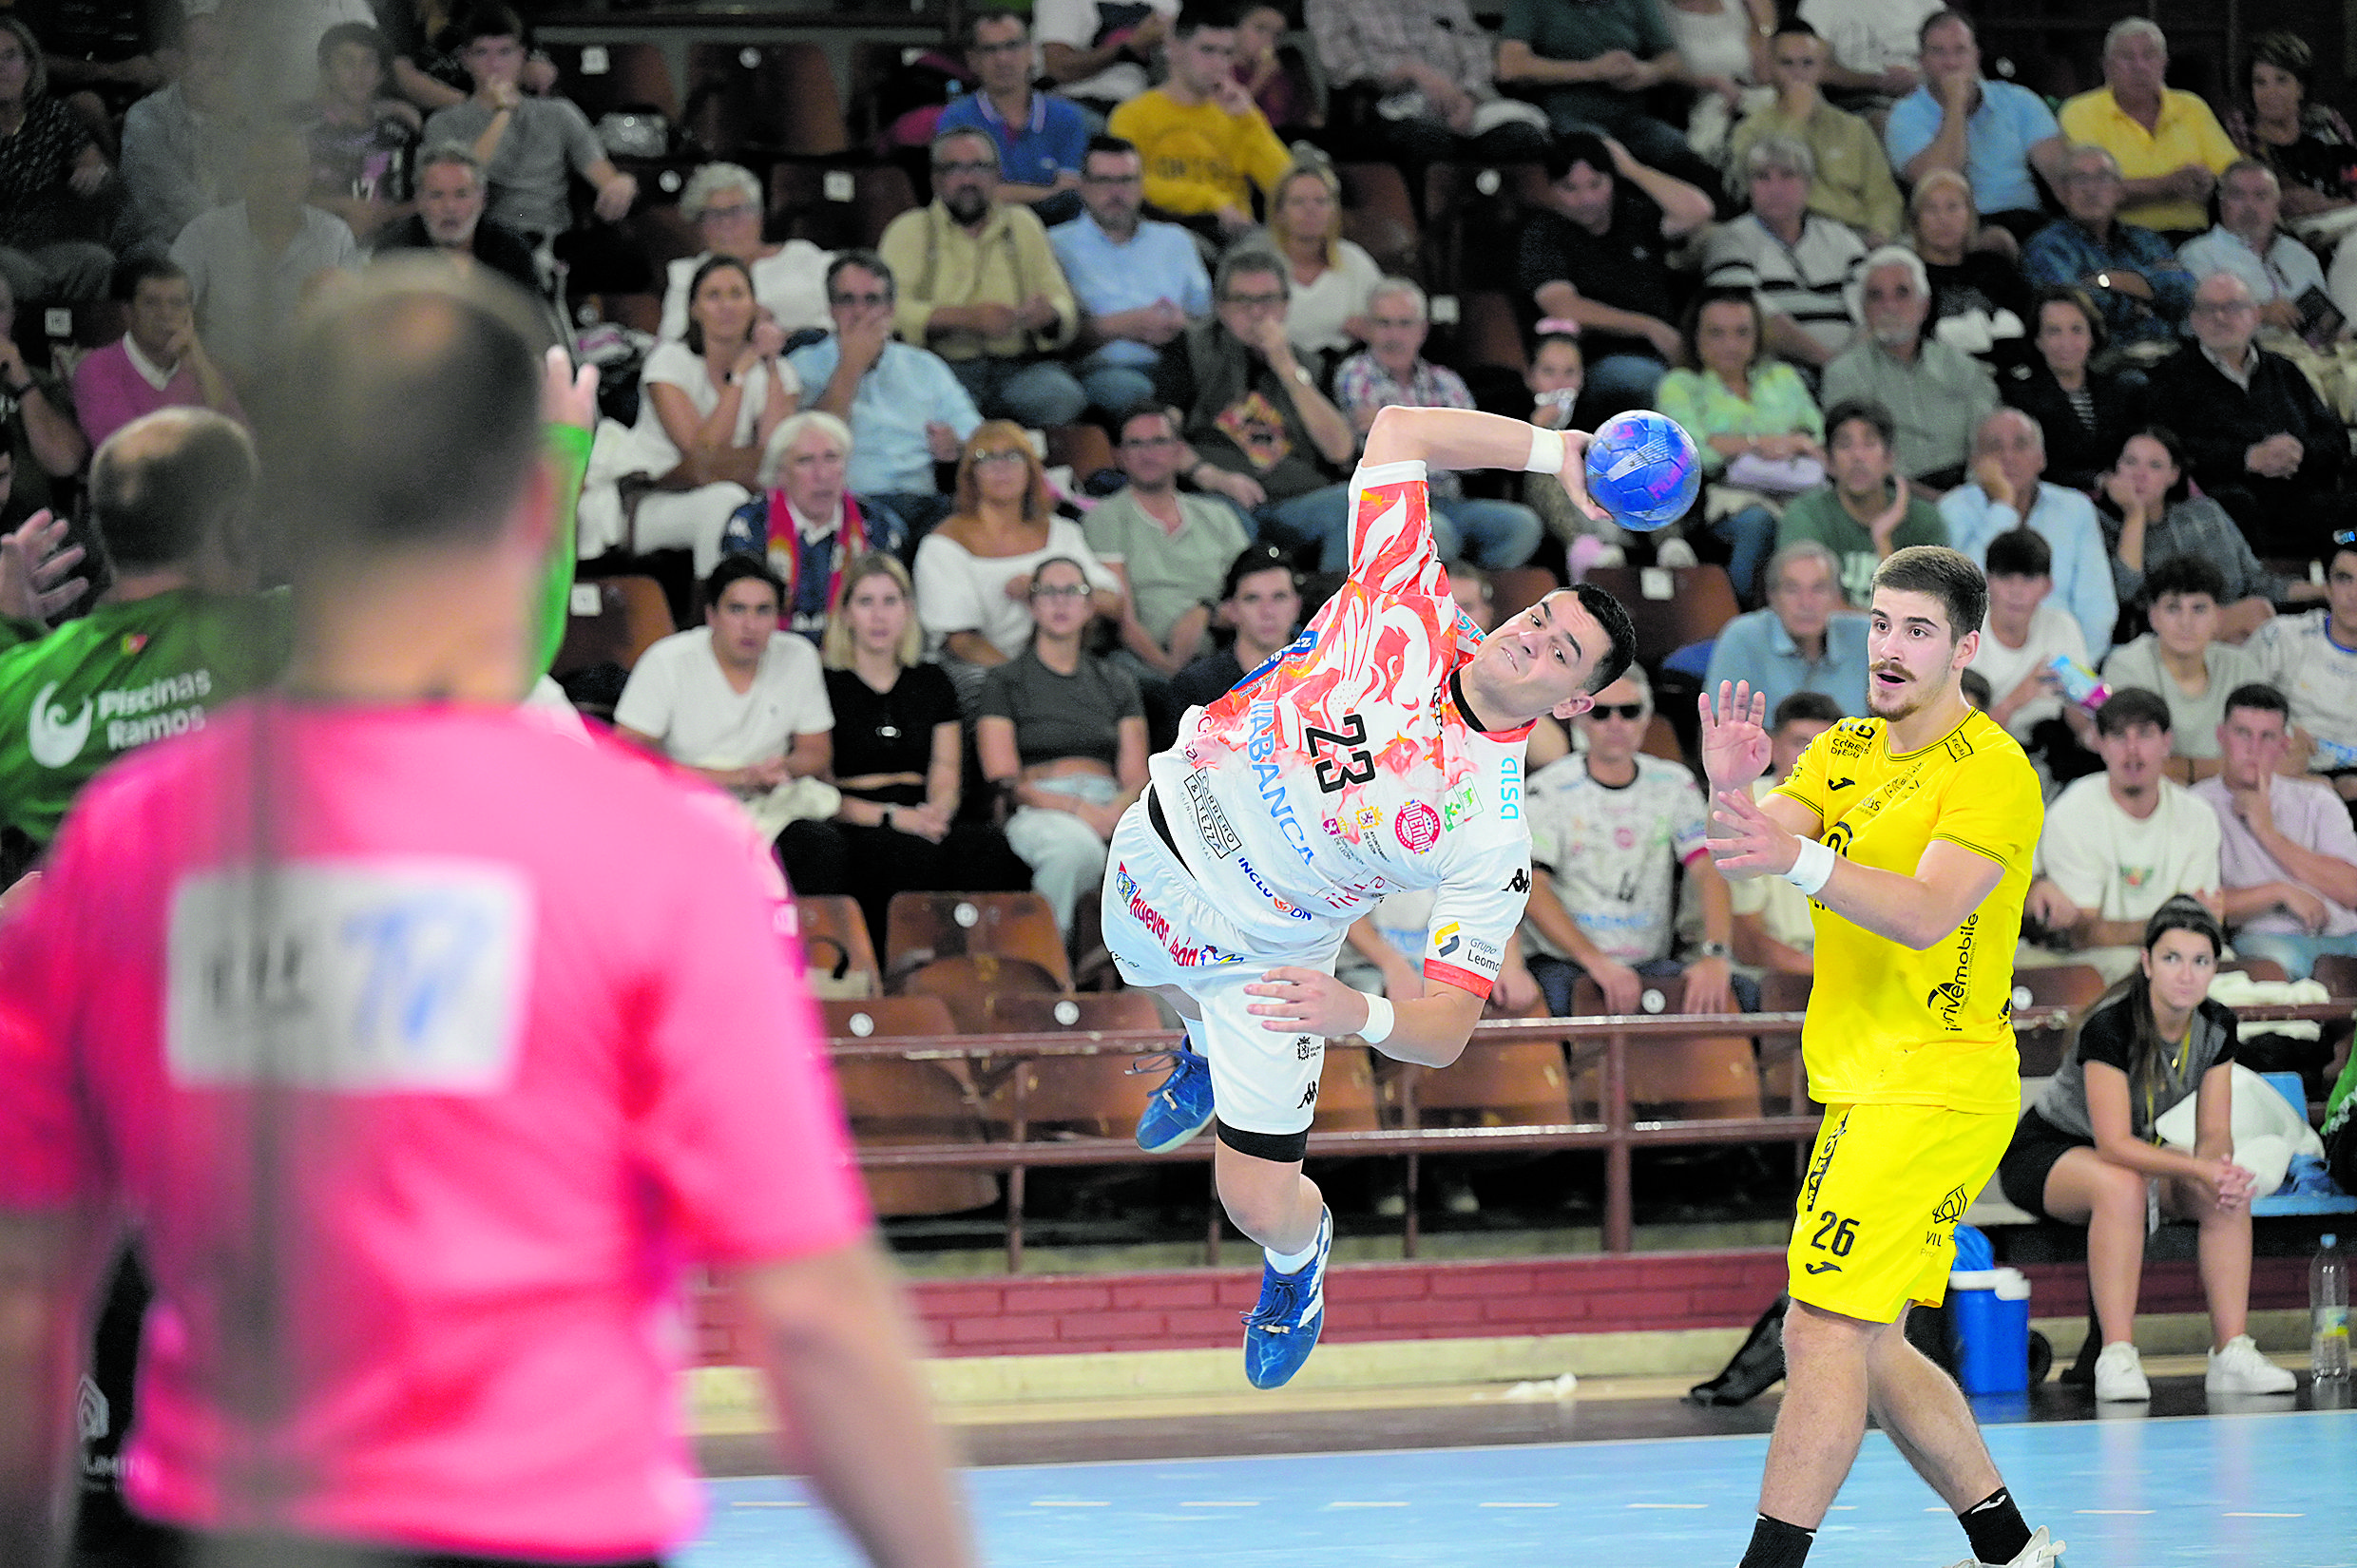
(1878, 1210)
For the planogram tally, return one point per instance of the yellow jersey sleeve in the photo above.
(1993, 806)
(1812, 773)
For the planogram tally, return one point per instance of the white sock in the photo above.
(1291, 1263)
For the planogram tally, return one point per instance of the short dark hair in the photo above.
(2182, 913)
(1108, 146)
(1619, 633)
(158, 504)
(1806, 707)
(1171, 419)
(694, 336)
(1195, 15)
(1977, 690)
(2021, 552)
(2162, 436)
(404, 412)
(974, 19)
(2129, 706)
(1866, 408)
(1792, 27)
(1577, 147)
(144, 269)
(1251, 560)
(1948, 575)
(1690, 328)
(866, 260)
(734, 569)
(2259, 697)
(488, 20)
(1941, 18)
(2183, 574)
(355, 33)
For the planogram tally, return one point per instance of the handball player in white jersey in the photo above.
(1382, 750)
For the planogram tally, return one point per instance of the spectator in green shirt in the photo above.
(1867, 512)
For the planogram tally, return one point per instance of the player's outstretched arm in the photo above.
(842, 1353)
(1464, 438)
(1915, 912)
(1431, 1029)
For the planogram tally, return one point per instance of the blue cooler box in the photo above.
(1991, 1311)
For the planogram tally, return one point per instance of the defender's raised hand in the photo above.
(1734, 735)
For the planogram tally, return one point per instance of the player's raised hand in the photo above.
(1746, 841)
(34, 567)
(1299, 1001)
(1734, 735)
(568, 396)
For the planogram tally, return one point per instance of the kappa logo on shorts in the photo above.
(1951, 1209)
(1309, 1096)
(1520, 881)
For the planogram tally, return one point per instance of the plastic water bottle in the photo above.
(2328, 1310)
(2336, 755)
(2078, 683)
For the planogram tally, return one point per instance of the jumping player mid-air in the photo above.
(1911, 831)
(1382, 750)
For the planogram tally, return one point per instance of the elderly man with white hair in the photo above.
(1392, 369)
(1937, 395)
(1799, 262)
(806, 523)
(724, 202)
(2129, 271)
(2170, 147)
(2007, 492)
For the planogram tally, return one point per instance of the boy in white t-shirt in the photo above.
(2025, 632)
(2119, 846)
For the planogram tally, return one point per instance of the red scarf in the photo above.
(785, 544)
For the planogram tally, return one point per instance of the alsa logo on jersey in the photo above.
(1461, 806)
(1260, 750)
(1210, 821)
(1282, 904)
(129, 712)
(1417, 827)
(1510, 789)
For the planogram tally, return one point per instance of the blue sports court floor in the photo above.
(2262, 1490)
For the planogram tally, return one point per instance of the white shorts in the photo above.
(1161, 931)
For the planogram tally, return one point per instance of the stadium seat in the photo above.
(1522, 1084)
(746, 98)
(1377, 216)
(835, 944)
(888, 1102)
(1348, 1100)
(1014, 929)
(2057, 985)
(1705, 1079)
(2337, 973)
(1780, 1057)
(631, 615)
(1084, 448)
(1696, 602)
(1095, 1094)
(968, 983)
(2256, 968)
(639, 312)
(1514, 590)
(1488, 332)
(600, 78)
(836, 208)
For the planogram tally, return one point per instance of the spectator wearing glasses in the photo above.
(982, 289)
(2286, 853)
(1206, 146)
(1263, 435)
(1610, 830)
(2129, 271)
(2168, 146)
(1169, 549)
(973, 573)
(1040, 137)
(723, 200)
(906, 410)
(2262, 443)
(1935, 395)
(1393, 369)
(2284, 276)
(1063, 736)
(1139, 282)
(1801, 640)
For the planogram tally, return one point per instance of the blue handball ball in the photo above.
(1644, 468)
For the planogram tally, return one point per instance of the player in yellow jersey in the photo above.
(1911, 832)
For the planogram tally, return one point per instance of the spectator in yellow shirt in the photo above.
(2170, 147)
(1204, 142)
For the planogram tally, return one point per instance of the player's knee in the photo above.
(1258, 1192)
(2116, 1190)
(1812, 1332)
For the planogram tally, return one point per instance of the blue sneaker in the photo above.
(1282, 1330)
(1182, 1107)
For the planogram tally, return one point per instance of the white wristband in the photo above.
(1379, 1020)
(1813, 867)
(1547, 450)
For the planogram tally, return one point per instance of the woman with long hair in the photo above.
(1331, 279)
(50, 169)
(708, 407)
(973, 573)
(1063, 736)
(898, 753)
(2146, 503)
(1752, 419)
(2085, 412)
(2086, 1154)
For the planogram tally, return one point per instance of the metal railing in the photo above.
(1591, 1042)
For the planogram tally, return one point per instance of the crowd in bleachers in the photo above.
(985, 450)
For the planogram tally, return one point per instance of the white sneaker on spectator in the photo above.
(2119, 1374)
(2039, 1553)
(1674, 552)
(2241, 1370)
